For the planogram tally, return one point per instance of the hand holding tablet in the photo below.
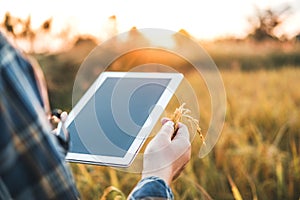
(114, 117)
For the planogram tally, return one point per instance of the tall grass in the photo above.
(258, 151)
(252, 56)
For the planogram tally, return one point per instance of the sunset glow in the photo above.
(202, 19)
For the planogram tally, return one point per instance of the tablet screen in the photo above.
(112, 118)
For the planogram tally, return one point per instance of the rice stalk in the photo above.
(235, 191)
(205, 194)
(86, 175)
(181, 112)
(113, 177)
(112, 193)
(279, 175)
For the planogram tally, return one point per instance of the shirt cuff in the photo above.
(151, 188)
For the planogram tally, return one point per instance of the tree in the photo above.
(8, 23)
(265, 22)
(22, 28)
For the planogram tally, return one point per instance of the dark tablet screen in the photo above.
(109, 122)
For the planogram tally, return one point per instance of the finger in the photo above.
(54, 120)
(165, 120)
(56, 112)
(167, 129)
(63, 116)
(178, 171)
(184, 160)
(182, 132)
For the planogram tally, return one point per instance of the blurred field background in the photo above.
(258, 153)
(259, 148)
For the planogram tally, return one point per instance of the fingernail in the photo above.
(64, 116)
(169, 123)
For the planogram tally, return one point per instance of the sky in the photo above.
(208, 19)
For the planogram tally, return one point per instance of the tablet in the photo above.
(110, 123)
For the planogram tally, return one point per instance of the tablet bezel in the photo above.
(175, 80)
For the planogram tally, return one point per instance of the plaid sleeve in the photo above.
(151, 188)
(30, 164)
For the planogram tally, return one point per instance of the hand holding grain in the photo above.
(165, 157)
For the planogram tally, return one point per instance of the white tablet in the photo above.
(111, 121)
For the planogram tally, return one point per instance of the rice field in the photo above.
(258, 153)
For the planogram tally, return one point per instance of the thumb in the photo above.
(63, 116)
(167, 130)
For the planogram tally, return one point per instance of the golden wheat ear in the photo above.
(181, 112)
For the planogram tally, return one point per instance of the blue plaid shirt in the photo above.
(151, 188)
(32, 164)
